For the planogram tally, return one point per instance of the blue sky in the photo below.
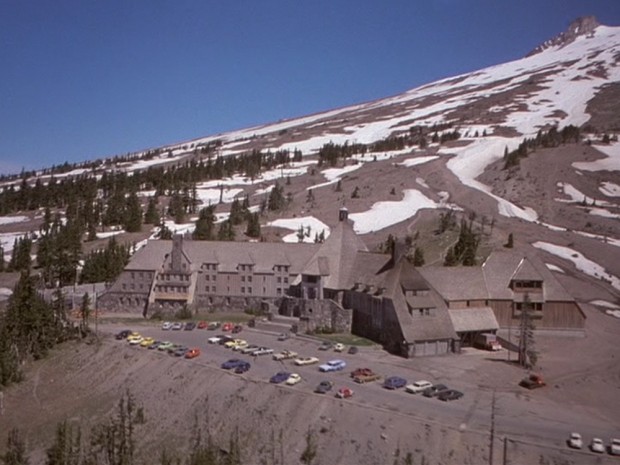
(86, 79)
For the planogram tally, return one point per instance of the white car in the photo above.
(136, 340)
(214, 339)
(597, 446)
(284, 355)
(575, 441)
(614, 447)
(338, 347)
(294, 378)
(263, 351)
(249, 349)
(166, 325)
(305, 361)
(418, 386)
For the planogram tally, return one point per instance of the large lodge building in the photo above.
(342, 286)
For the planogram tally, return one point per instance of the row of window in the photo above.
(527, 284)
(173, 277)
(132, 286)
(141, 275)
(178, 289)
(244, 267)
(538, 306)
(244, 290)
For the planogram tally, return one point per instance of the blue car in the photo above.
(232, 363)
(279, 377)
(394, 382)
(333, 365)
(243, 367)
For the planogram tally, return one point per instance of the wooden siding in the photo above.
(555, 315)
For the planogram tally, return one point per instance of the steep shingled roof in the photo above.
(336, 256)
(473, 319)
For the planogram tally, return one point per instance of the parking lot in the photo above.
(517, 413)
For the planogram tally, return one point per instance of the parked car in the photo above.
(279, 377)
(225, 339)
(190, 326)
(237, 329)
(133, 335)
(166, 325)
(344, 393)
(575, 441)
(324, 387)
(215, 339)
(234, 343)
(147, 341)
(333, 365)
(360, 372)
(293, 379)
(326, 345)
(173, 348)
(242, 367)
(394, 382)
(242, 344)
(232, 363)
(193, 353)
(434, 390)
(533, 381)
(165, 345)
(283, 336)
(614, 447)
(135, 340)
(249, 349)
(122, 334)
(181, 351)
(449, 394)
(284, 355)
(418, 386)
(202, 324)
(213, 325)
(305, 361)
(154, 345)
(339, 347)
(597, 446)
(263, 351)
(228, 326)
(352, 350)
(367, 378)
(177, 326)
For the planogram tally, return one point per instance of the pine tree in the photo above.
(253, 228)
(510, 243)
(450, 259)
(152, 214)
(15, 449)
(133, 214)
(418, 257)
(205, 225)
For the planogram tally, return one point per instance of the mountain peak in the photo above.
(582, 26)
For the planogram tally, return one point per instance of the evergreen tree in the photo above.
(528, 355)
(450, 259)
(133, 214)
(510, 243)
(226, 232)
(276, 198)
(253, 228)
(15, 449)
(205, 225)
(418, 257)
(66, 448)
(152, 214)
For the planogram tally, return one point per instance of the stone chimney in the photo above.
(343, 214)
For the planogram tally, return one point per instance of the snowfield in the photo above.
(610, 163)
(582, 263)
(387, 213)
(310, 224)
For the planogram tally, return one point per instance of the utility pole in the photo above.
(491, 449)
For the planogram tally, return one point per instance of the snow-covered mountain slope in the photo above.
(573, 79)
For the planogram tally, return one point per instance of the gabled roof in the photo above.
(526, 272)
(457, 282)
(336, 256)
(151, 256)
(473, 319)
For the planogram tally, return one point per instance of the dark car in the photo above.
(352, 350)
(279, 377)
(123, 334)
(237, 329)
(394, 382)
(155, 345)
(225, 339)
(449, 394)
(181, 351)
(434, 391)
(190, 325)
(324, 387)
(232, 363)
(242, 367)
(325, 346)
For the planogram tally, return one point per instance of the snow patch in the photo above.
(553, 267)
(417, 161)
(12, 219)
(604, 303)
(582, 263)
(610, 163)
(311, 225)
(610, 189)
(105, 235)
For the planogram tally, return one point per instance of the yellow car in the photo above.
(147, 341)
(134, 338)
(235, 343)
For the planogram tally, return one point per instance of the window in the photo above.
(279, 279)
(133, 275)
(124, 286)
(207, 277)
(213, 289)
(279, 291)
(133, 286)
(242, 279)
(249, 290)
(206, 288)
(249, 279)
(286, 280)
(214, 277)
(242, 290)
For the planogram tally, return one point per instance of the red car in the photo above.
(192, 353)
(344, 393)
(202, 324)
(227, 326)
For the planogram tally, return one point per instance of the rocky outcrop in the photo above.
(580, 27)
